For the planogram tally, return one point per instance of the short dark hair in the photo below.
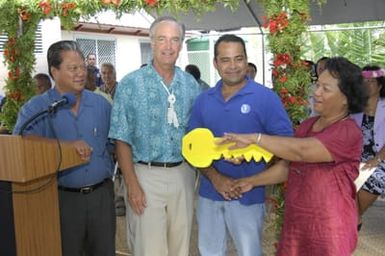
(194, 71)
(350, 82)
(380, 80)
(250, 64)
(54, 57)
(229, 38)
(44, 78)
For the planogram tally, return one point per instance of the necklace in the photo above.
(172, 118)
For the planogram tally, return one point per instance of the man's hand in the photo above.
(136, 198)
(225, 186)
(243, 185)
(83, 149)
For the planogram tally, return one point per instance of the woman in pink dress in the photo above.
(320, 165)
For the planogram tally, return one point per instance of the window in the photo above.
(104, 49)
(38, 41)
(146, 52)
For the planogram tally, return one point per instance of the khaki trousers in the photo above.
(165, 226)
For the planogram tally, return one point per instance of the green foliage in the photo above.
(362, 43)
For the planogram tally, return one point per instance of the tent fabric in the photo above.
(332, 12)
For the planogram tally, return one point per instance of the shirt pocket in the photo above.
(99, 141)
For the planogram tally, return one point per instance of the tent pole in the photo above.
(247, 4)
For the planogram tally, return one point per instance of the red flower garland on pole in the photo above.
(286, 21)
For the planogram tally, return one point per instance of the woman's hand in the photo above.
(239, 140)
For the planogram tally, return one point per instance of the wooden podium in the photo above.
(30, 164)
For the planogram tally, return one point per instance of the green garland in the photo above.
(19, 19)
(286, 21)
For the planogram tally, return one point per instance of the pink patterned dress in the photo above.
(320, 208)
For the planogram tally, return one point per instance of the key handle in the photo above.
(200, 150)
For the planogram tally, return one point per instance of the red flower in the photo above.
(283, 91)
(15, 95)
(274, 72)
(14, 75)
(67, 7)
(116, 2)
(151, 3)
(277, 23)
(283, 79)
(45, 6)
(24, 14)
(292, 100)
(282, 60)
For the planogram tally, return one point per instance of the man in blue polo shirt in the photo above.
(235, 104)
(86, 197)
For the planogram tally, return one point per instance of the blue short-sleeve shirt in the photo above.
(139, 114)
(91, 124)
(253, 109)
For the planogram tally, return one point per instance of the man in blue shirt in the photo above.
(235, 104)
(149, 118)
(91, 61)
(87, 211)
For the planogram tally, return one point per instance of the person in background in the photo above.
(235, 104)
(320, 165)
(320, 65)
(251, 70)
(150, 113)
(91, 61)
(372, 123)
(109, 79)
(43, 83)
(3, 129)
(109, 86)
(86, 196)
(196, 73)
(91, 84)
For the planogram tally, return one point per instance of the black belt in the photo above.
(86, 189)
(160, 164)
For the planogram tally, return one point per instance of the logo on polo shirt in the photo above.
(245, 108)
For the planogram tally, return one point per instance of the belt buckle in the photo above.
(86, 190)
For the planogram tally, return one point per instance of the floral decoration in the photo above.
(286, 21)
(19, 20)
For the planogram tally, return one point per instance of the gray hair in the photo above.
(167, 18)
(109, 66)
(54, 57)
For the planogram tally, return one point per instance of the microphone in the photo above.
(66, 99)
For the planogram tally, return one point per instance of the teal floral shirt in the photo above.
(139, 114)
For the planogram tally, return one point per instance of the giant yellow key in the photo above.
(199, 148)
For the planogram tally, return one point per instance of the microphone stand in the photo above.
(50, 110)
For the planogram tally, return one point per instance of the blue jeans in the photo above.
(219, 219)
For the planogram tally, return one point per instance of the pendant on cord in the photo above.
(171, 114)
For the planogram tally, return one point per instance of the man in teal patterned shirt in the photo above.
(150, 114)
